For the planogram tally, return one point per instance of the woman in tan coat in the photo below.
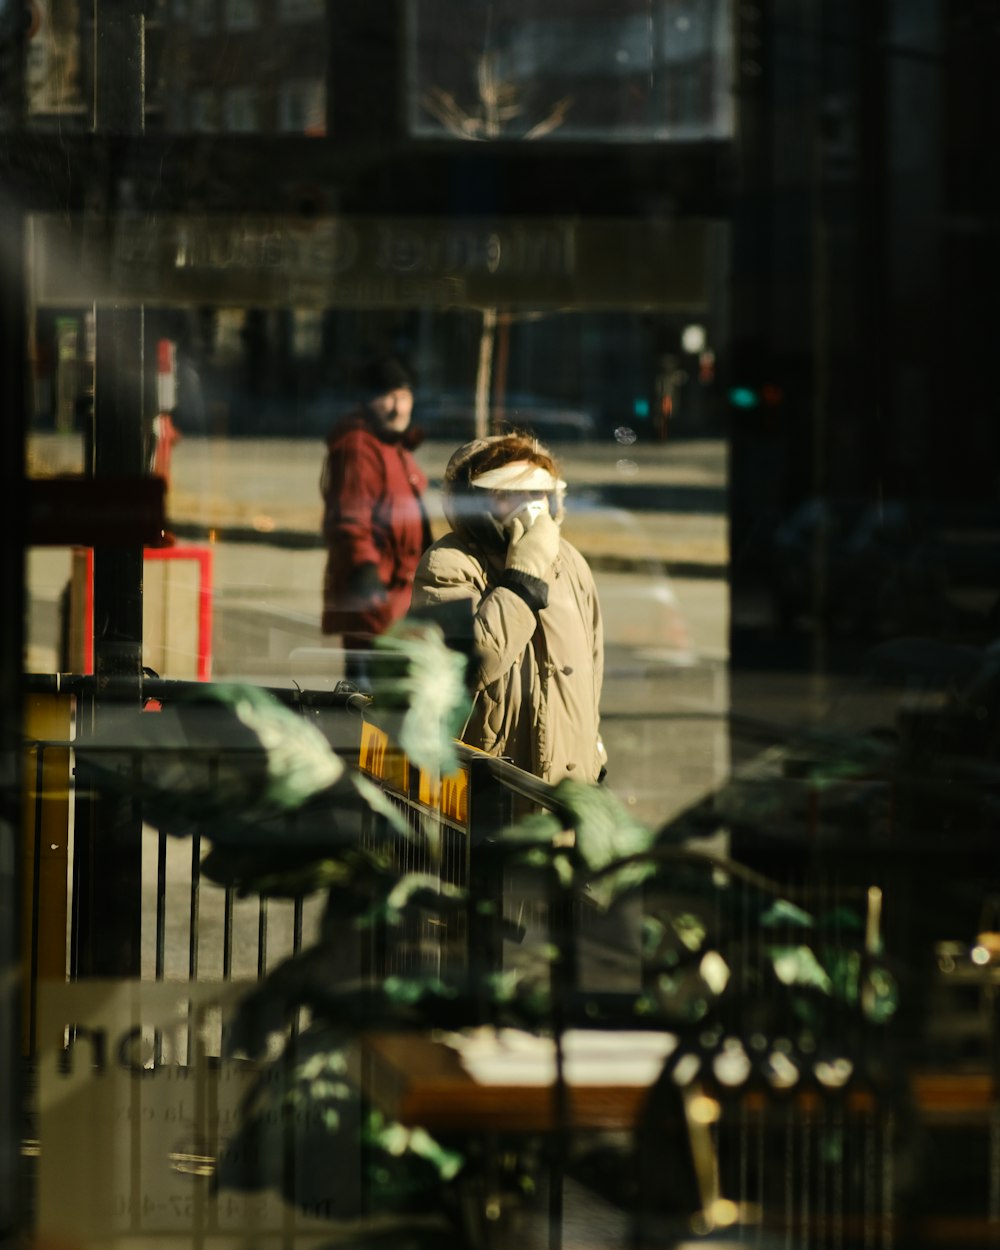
(537, 621)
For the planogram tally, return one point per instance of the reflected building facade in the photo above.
(765, 221)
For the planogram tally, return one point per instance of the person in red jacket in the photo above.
(374, 521)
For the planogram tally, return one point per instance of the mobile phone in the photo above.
(528, 513)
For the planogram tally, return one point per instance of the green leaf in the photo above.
(300, 761)
(538, 830)
(842, 918)
(428, 683)
(397, 1140)
(844, 967)
(380, 803)
(690, 928)
(798, 965)
(282, 882)
(653, 932)
(416, 889)
(879, 994)
(409, 990)
(564, 870)
(350, 875)
(782, 912)
(714, 972)
(605, 832)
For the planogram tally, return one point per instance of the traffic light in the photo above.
(743, 397)
(768, 395)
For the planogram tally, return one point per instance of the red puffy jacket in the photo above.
(373, 515)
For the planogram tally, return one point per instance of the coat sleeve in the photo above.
(598, 644)
(503, 624)
(591, 607)
(598, 666)
(352, 482)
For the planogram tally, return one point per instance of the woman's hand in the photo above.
(533, 550)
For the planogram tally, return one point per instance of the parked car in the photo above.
(448, 415)
(452, 415)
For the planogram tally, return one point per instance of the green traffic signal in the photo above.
(743, 397)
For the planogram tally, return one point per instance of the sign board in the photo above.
(353, 262)
(134, 1108)
(95, 512)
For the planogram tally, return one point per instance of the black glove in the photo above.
(366, 588)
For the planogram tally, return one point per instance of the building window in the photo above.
(175, 113)
(241, 14)
(204, 114)
(307, 333)
(239, 110)
(300, 10)
(203, 19)
(302, 107)
(652, 69)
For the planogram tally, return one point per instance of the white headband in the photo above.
(518, 475)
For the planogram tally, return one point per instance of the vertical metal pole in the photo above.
(489, 813)
(29, 999)
(821, 330)
(109, 860)
(121, 377)
(13, 516)
(874, 308)
(119, 451)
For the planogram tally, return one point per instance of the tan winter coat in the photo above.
(539, 689)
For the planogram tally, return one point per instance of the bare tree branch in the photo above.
(500, 101)
(554, 120)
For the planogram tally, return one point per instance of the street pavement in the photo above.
(627, 505)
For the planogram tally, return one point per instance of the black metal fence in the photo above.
(193, 932)
(191, 929)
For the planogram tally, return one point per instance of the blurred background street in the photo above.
(650, 518)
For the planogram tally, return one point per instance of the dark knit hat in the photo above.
(385, 374)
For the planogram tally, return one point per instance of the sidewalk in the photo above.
(267, 490)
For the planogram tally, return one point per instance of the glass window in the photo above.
(240, 14)
(302, 107)
(204, 17)
(300, 10)
(720, 268)
(55, 76)
(239, 109)
(519, 70)
(204, 110)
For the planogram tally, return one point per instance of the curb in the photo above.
(301, 540)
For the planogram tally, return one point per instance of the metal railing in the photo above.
(189, 929)
(450, 822)
(193, 930)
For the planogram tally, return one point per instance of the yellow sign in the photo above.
(378, 758)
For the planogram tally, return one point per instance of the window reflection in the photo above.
(253, 393)
(233, 66)
(851, 746)
(523, 70)
(54, 69)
